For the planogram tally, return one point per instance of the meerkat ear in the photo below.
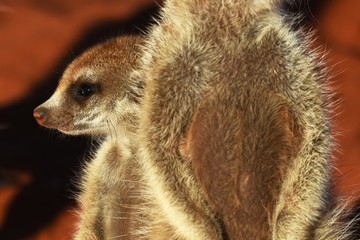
(240, 150)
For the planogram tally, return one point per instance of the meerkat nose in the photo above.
(40, 114)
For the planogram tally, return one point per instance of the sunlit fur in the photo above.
(107, 66)
(112, 201)
(233, 137)
(234, 131)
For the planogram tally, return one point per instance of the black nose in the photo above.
(40, 114)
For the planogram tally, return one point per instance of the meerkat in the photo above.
(233, 128)
(99, 96)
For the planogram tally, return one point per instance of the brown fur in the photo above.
(112, 200)
(233, 136)
(234, 130)
(108, 68)
(240, 156)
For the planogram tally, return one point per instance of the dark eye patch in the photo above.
(83, 91)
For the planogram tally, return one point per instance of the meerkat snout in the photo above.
(96, 91)
(46, 115)
(39, 114)
(99, 95)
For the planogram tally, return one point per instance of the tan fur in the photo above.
(233, 136)
(112, 200)
(107, 68)
(248, 173)
(234, 131)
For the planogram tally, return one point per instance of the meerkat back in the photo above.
(234, 132)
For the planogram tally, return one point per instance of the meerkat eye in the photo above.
(84, 91)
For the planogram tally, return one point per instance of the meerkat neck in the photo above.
(122, 125)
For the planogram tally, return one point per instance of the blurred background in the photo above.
(38, 38)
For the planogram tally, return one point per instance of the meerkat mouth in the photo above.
(84, 130)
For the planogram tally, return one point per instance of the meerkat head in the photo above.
(96, 91)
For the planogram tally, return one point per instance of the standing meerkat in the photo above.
(234, 130)
(99, 96)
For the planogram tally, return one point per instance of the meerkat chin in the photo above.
(99, 94)
(96, 91)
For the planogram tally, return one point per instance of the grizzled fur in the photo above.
(104, 74)
(234, 130)
(98, 95)
(229, 141)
